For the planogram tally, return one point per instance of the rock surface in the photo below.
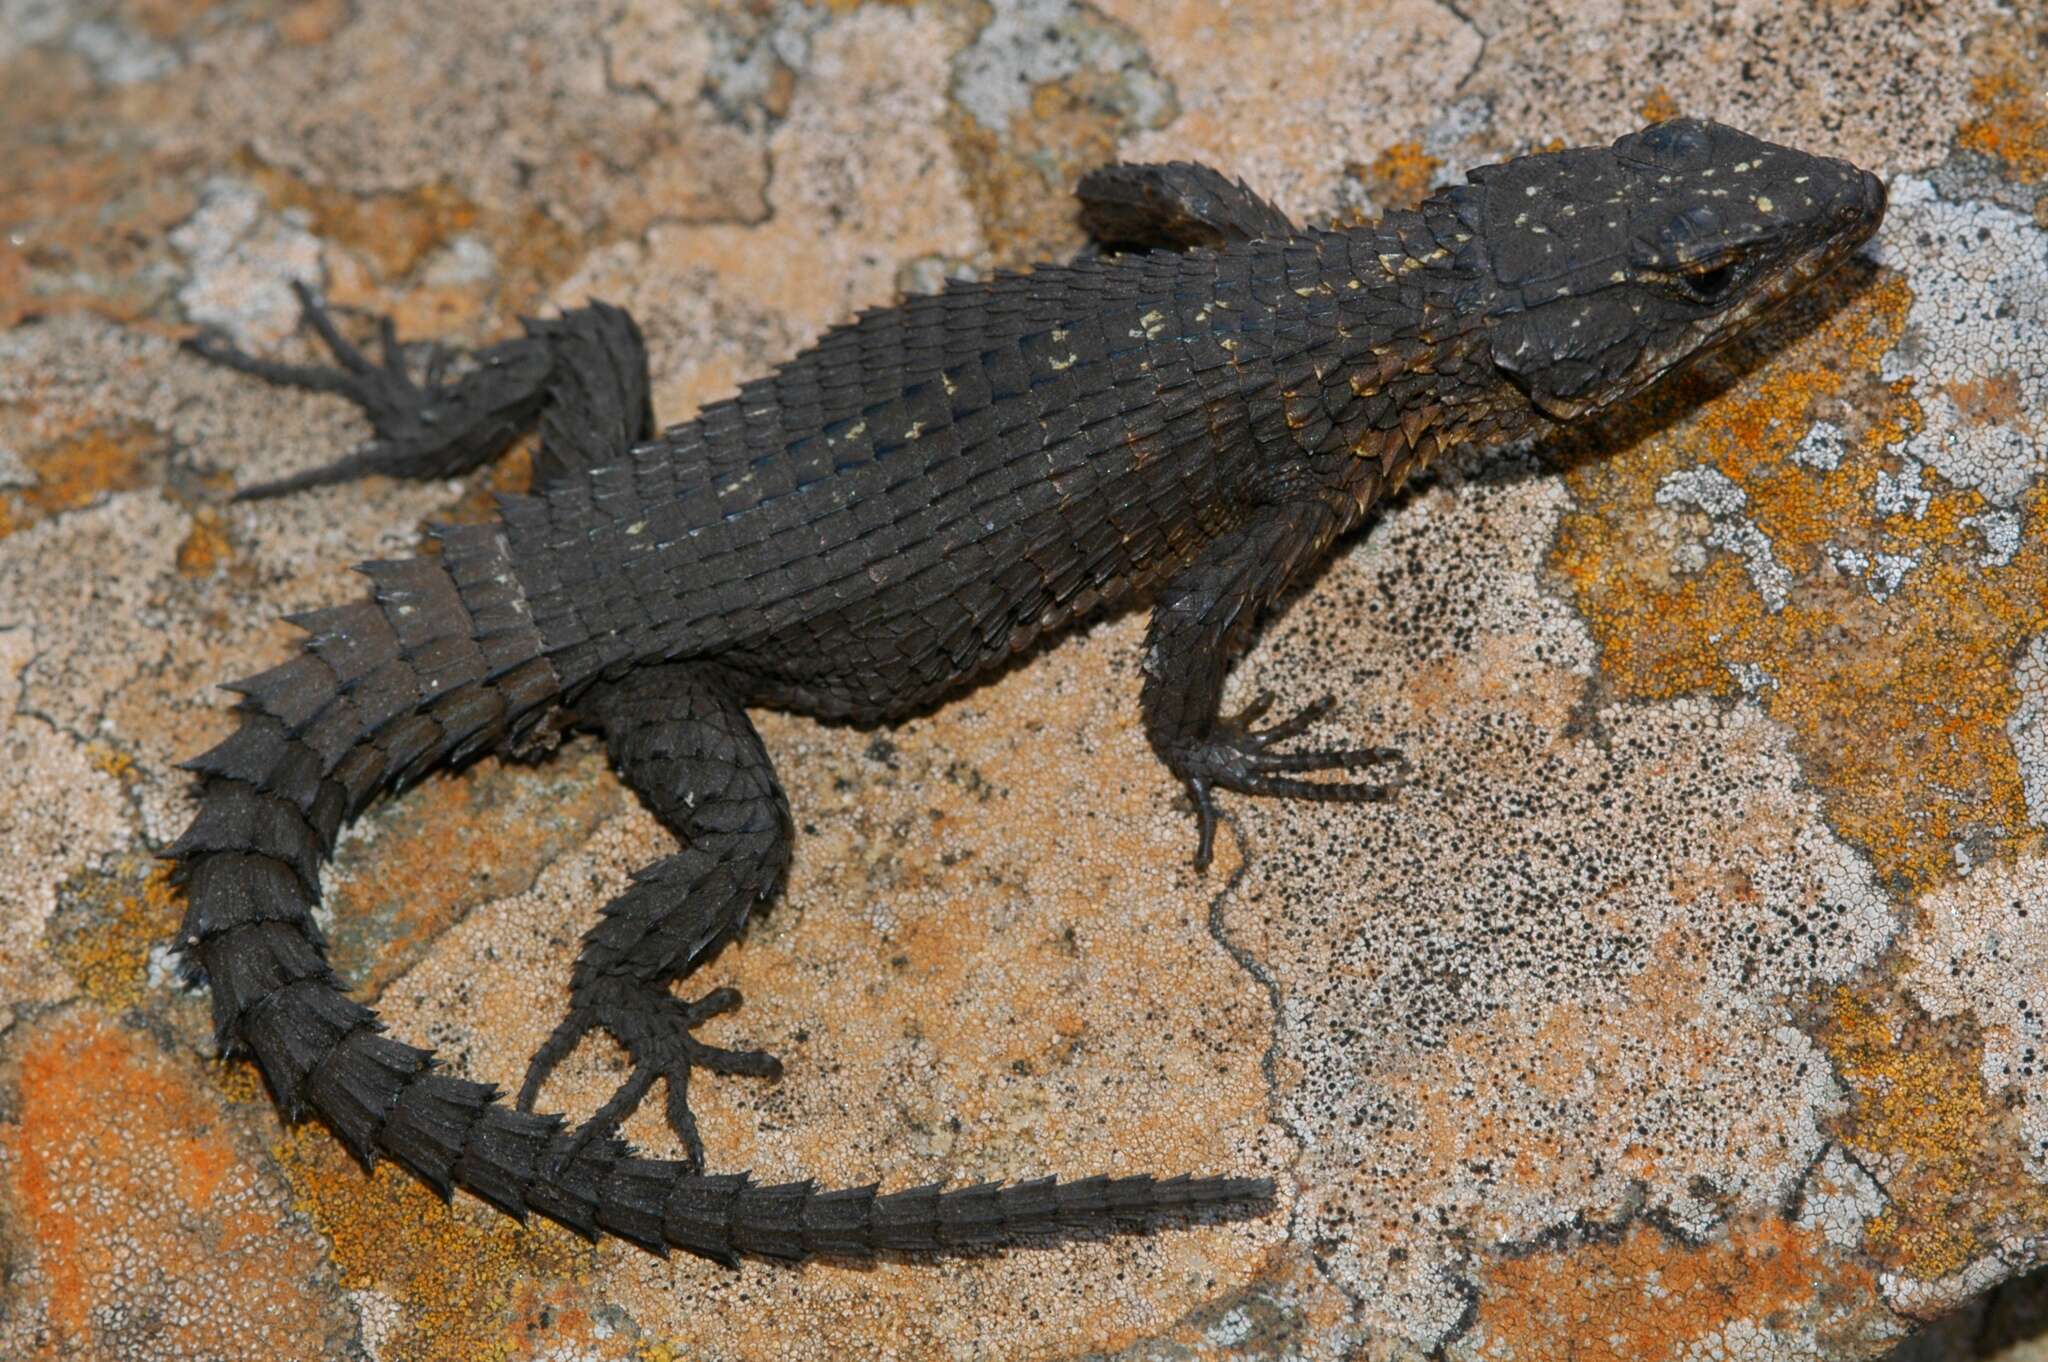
(1691, 1003)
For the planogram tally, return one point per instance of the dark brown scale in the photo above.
(907, 504)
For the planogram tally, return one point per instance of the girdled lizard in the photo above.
(1193, 414)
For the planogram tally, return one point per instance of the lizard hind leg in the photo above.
(583, 375)
(429, 426)
(598, 403)
(655, 1028)
(683, 743)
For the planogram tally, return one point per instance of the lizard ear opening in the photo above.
(1557, 385)
(1555, 405)
(1569, 356)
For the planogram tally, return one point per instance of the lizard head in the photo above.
(1609, 267)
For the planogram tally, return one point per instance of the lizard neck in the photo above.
(1418, 378)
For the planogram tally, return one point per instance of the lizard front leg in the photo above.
(1203, 620)
(683, 743)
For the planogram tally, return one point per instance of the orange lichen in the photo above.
(1020, 180)
(453, 844)
(655, 1350)
(312, 21)
(14, 296)
(1899, 705)
(111, 761)
(1994, 400)
(1643, 1297)
(135, 1203)
(239, 1080)
(78, 470)
(1658, 105)
(470, 1281)
(1399, 177)
(394, 232)
(166, 19)
(1917, 1094)
(2014, 126)
(205, 547)
(85, 212)
(106, 924)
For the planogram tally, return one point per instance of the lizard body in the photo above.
(1193, 420)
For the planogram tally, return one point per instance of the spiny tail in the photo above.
(444, 663)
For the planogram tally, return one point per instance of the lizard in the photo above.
(1192, 413)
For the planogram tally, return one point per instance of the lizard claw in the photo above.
(431, 430)
(1240, 723)
(655, 1028)
(1236, 756)
(1205, 820)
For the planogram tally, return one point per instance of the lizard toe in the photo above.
(655, 1028)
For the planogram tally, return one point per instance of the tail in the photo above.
(444, 663)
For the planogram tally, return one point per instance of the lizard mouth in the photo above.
(1729, 294)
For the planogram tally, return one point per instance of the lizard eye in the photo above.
(1712, 283)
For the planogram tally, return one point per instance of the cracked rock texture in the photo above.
(1691, 1003)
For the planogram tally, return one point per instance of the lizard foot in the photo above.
(655, 1028)
(424, 429)
(1235, 755)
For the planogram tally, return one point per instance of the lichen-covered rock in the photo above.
(1688, 1003)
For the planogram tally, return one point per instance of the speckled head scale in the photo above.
(1611, 265)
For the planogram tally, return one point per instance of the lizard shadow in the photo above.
(1049, 1240)
(1563, 449)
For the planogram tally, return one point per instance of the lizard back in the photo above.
(932, 486)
